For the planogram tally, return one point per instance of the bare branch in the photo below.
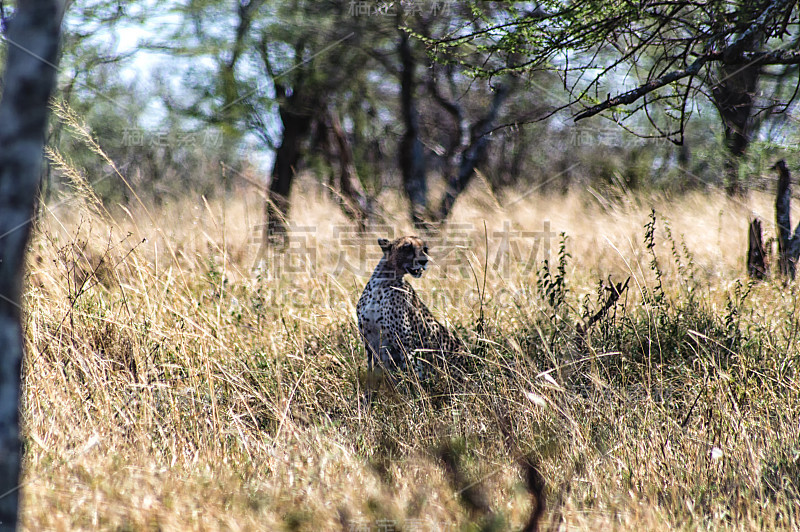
(774, 57)
(733, 54)
(633, 95)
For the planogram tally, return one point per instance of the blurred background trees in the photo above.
(660, 62)
(417, 96)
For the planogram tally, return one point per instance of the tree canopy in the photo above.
(662, 54)
(405, 96)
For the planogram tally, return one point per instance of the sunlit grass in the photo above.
(179, 376)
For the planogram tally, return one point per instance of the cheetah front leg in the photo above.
(384, 360)
(370, 384)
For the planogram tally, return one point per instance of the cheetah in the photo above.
(398, 330)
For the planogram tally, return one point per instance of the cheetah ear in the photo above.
(384, 244)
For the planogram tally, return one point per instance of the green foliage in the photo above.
(552, 284)
(227, 72)
(604, 50)
(656, 296)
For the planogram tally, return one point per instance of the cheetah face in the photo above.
(407, 254)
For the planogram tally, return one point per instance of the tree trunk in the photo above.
(354, 197)
(296, 127)
(733, 97)
(756, 253)
(28, 83)
(788, 243)
(412, 157)
(474, 154)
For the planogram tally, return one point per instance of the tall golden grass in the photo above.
(179, 376)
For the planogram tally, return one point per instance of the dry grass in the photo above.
(170, 385)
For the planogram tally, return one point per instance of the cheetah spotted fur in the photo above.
(398, 330)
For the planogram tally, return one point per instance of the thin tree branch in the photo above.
(633, 95)
(733, 54)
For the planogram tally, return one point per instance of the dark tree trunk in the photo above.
(470, 143)
(788, 243)
(474, 154)
(28, 83)
(296, 127)
(783, 221)
(518, 156)
(459, 138)
(733, 97)
(756, 253)
(412, 157)
(296, 107)
(353, 195)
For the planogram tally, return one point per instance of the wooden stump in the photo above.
(756, 254)
(788, 240)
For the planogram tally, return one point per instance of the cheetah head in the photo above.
(407, 254)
